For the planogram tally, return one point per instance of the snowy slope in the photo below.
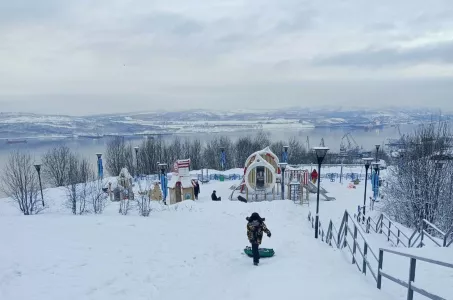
(192, 250)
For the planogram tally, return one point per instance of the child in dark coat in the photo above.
(255, 229)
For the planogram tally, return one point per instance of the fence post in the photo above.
(410, 292)
(365, 252)
(380, 263)
(381, 219)
(354, 246)
(345, 231)
(398, 240)
(390, 224)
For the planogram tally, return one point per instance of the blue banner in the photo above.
(163, 184)
(285, 157)
(100, 168)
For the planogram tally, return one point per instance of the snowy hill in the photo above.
(192, 250)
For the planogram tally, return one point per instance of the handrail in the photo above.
(380, 225)
(411, 287)
(342, 242)
(355, 231)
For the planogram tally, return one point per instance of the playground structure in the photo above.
(262, 179)
(180, 186)
(301, 176)
(261, 173)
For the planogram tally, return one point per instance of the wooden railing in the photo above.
(411, 287)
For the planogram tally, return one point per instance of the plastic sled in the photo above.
(264, 252)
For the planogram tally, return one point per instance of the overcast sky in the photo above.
(84, 56)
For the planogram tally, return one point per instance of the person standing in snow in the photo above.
(314, 176)
(196, 189)
(255, 229)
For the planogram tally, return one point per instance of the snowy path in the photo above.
(194, 252)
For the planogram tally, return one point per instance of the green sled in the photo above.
(264, 252)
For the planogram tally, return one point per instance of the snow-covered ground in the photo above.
(192, 250)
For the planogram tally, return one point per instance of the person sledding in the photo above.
(214, 196)
(255, 229)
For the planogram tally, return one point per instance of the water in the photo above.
(332, 138)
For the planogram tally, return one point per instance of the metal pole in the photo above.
(283, 183)
(40, 185)
(364, 196)
(317, 200)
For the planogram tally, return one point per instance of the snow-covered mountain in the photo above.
(24, 125)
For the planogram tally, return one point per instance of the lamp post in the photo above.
(283, 167)
(321, 153)
(163, 181)
(38, 169)
(136, 158)
(377, 152)
(100, 167)
(367, 161)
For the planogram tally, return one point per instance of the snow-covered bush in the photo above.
(20, 183)
(97, 196)
(144, 199)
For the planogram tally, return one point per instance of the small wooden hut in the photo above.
(180, 186)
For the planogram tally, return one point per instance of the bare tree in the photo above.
(420, 179)
(119, 154)
(56, 164)
(20, 183)
(80, 174)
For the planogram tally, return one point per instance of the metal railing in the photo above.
(384, 225)
(340, 238)
(411, 287)
(350, 226)
(431, 231)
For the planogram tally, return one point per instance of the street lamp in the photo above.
(367, 161)
(321, 153)
(38, 169)
(377, 151)
(136, 159)
(282, 166)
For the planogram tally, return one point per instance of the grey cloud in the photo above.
(167, 23)
(437, 53)
(25, 11)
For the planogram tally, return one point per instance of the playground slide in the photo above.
(313, 188)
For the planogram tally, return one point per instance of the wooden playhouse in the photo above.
(180, 186)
